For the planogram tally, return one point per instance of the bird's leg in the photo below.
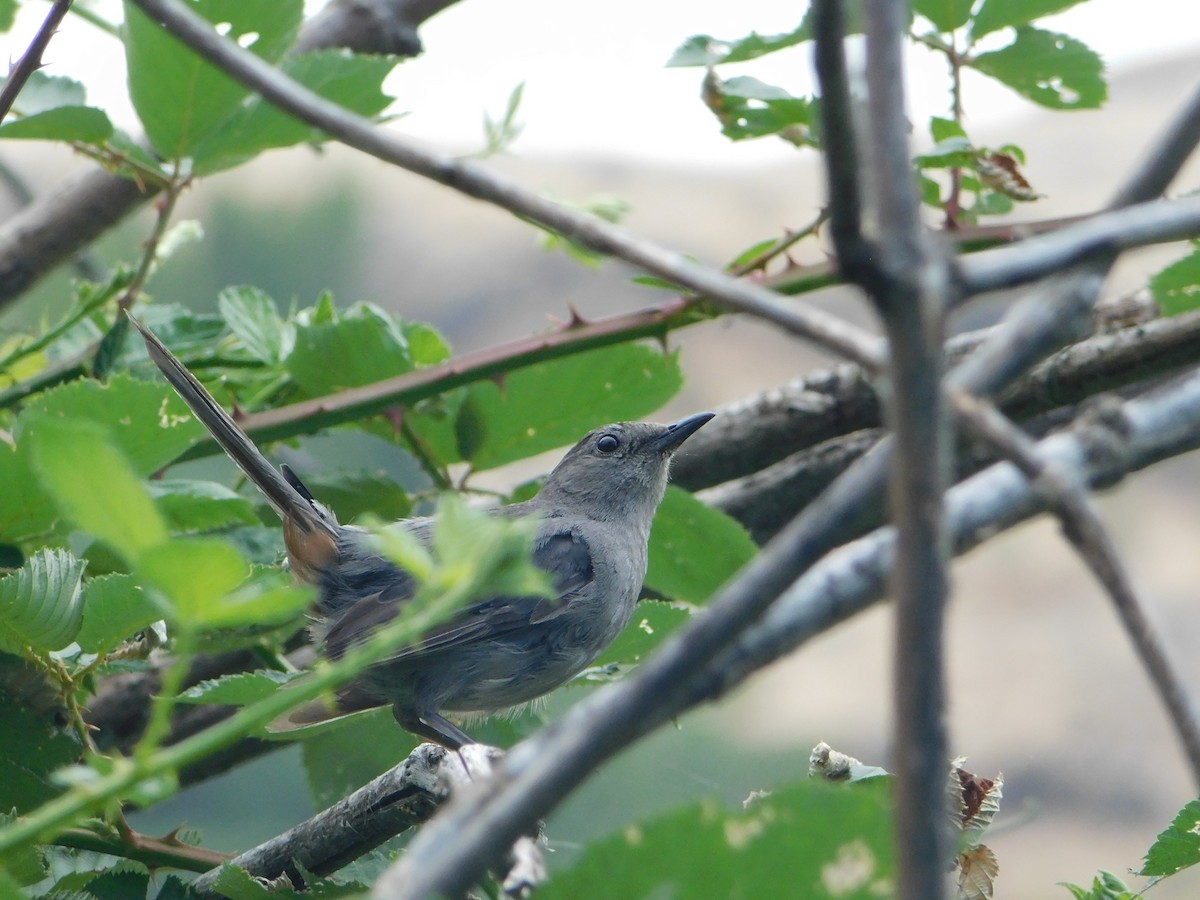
(431, 727)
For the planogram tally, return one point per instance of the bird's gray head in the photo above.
(618, 472)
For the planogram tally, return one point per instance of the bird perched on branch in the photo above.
(594, 510)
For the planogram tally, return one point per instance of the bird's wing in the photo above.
(563, 553)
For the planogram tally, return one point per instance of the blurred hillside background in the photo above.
(1044, 687)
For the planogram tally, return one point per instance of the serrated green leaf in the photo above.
(954, 152)
(123, 881)
(1105, 886)
(1054, 70)
(147, 421)
(652, 622)
(339, 761)
(44, 92)
(996, 14)
(205, 581)
(942, 129)
(946, 15)
(749, 108)
(768, 849)
(252, 316)
(25, 866)
(26, 510)
(85, 124)
(362, 345)
(553, 404)
(1176, 289)
(426, 344)
(704, 50)
(181, 99)
(114, 608)
(93, 484)
(237, 690)
(41, 603)
(694, 549)
(192, 506)
(353, 80)
(1178, 846)
(32, 748)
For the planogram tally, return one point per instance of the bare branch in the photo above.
(1068, 499)
(738, 295)
(1101, 450)
(31, 59)
(910, 289)
(400, 798)
(1104, 234)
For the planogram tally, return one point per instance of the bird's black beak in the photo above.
(676, 434)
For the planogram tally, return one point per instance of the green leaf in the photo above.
(8, 13)
(694, 549)
(426, 344)
(32, 748)
(1051, 69)
(553, 404)
(355, 81)
(183, 100)
(114, 608)
(191, 506)
(753, 252)
(946, 15)
(1105, 886)
(749, 108)
(769, 849)
(148, 422)
(66, 123)
(954, 152)
(703, 50)
(237, 690)
(93, 484)
(41, 603)
(252, 316)
(360, 346)
(205, 580)
(1178, 847)
(25, 866)
(44, 92)
(943, 129)
(339, 761)
(652, 622)
(1176, 289)
(996, 14)
(26, 510)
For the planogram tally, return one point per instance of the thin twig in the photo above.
(31, 59)
(592, 232)
(1068, 498)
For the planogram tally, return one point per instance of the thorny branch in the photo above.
(31, 59)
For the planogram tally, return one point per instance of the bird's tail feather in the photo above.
(302, 519)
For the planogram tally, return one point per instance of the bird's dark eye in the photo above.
(607, 444)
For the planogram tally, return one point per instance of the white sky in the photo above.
(596, 83)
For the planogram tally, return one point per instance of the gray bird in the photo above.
(595, 511)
